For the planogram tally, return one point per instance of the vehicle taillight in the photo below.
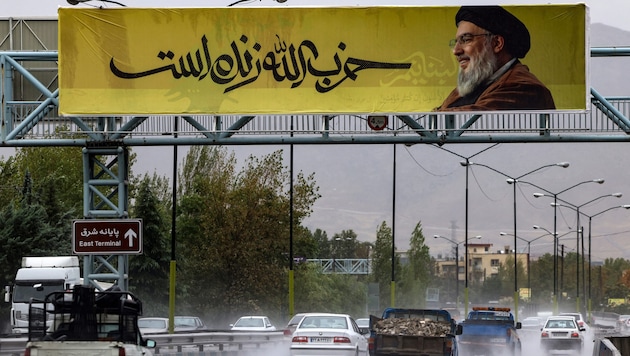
(449, 346)
(121, 351)
(581, 323)
(27, 352)
(544, 334)
(371, 344)
(287, 332)
(508, 332)
(299, 339)
(575, 335)
(341, 340)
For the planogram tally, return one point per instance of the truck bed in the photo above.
(410, 345)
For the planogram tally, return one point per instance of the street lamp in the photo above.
(590, 218)
(456, 261)
(579, 230)
(514, 181)
(555, 230)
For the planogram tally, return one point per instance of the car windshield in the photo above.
(250, 322)
(560, 324)
(334, 322)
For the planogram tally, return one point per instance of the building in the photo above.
(483, 262)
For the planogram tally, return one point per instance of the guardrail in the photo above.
(215, 343)
(604, 347)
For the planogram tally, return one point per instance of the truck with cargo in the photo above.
(37, 277)
(425, 332)
(86, 322)
(488, 331)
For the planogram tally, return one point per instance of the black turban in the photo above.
(498, 21)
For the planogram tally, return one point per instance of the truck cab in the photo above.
(86, 322)
(37, 277)
(488, 330)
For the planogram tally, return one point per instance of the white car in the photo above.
(325, 333)
(253, 323)
(533, 325)
(153, 325)
(561, 333)
(579, 319)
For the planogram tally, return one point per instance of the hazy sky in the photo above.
(610, 12)
(356, 181)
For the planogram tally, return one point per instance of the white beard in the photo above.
(479, 70)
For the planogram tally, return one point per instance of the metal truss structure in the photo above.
(343, 265)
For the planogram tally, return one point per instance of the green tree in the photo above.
(56, 179)
(304, 243)
(344, 245)
(234, 236)
(415, 274)
(149, 272)
(333, 293)
(323, 244)
(382, 264)
(542, 279)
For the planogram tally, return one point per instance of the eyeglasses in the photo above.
(465, 39)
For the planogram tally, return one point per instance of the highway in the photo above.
(222, 343)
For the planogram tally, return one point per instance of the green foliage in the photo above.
(344, 244)
(233, 231)
(50, 176)
(332, 293)
(415, 274)
(321, 238)
(541, 278)
(149, 272)
(25, 231)
(304, 243)
(382, 264)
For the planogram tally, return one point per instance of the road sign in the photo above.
(108, 236)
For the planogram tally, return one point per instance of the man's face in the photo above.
(474, 52)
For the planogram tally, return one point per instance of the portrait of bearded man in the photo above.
(489, 42)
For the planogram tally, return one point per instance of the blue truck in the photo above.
(488, 331)
(418, 332)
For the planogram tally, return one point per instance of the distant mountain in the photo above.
(609, 76)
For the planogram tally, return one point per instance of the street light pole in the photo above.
(580, 231)
(514, 181)
(590, 219)
(555, 229)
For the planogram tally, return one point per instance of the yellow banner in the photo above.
(292, 60)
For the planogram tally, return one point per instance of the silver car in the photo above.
(325, 333)
(561, 333)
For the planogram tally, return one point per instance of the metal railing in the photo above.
(215, 342)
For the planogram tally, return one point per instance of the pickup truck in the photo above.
(488, 331)
(86, 322)
(424, 332)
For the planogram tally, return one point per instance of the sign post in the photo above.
(109, 236)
